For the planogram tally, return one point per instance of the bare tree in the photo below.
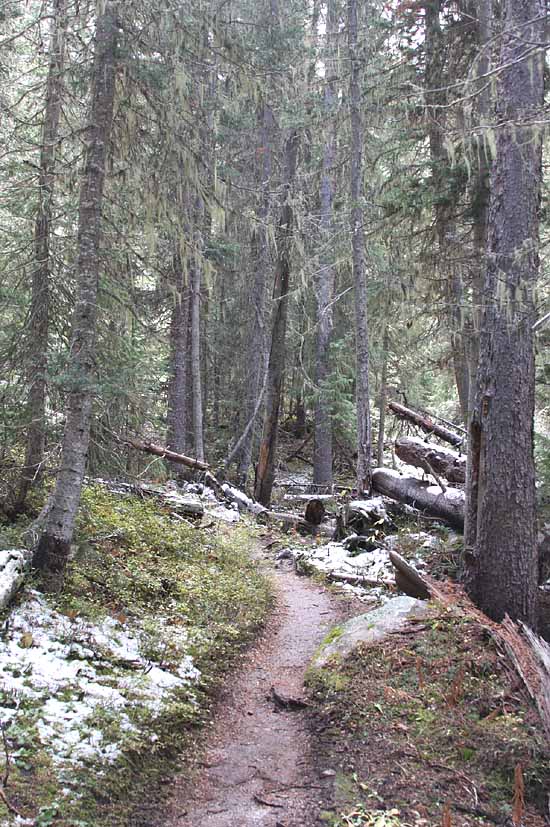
(54, 542)
(364, 440)
(41, 276)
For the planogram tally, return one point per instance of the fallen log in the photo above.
(294, 521)
(431, 458)
(447, 506)
(165, 453)
(182, 504)
(426, 423)
(407, 578)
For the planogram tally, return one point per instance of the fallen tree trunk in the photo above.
(431, 458)
(426, 424)
(165, 453)
(447, 506)
(294, 521)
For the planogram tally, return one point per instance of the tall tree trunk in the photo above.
(176, 437)
(40, 295)
(480, 202)
(257, 352)
(54, 543)
(265, 471)
(445, 224)
(364, 441)
(383, 398)
(196, 377)
(325, 276)
(502, 563)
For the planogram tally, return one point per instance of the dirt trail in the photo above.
(258, 769)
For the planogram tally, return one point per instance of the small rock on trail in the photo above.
(258, 769)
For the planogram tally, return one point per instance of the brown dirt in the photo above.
(258, 768)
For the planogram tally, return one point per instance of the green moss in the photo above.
(134, 562)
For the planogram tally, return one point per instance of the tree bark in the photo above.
(431, 457)
(364, 472)
(501, 554)
(257, 352)
(325, 274)
(176, 437)
(196, 373)
(447, 506)
(265, 471)
(54, 542)
(383, 399)
(40, 295)
(480, 204)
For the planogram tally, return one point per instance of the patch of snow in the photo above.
(226, 515)
(74, 672)
(14, 564)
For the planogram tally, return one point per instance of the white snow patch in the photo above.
(226, 515)
(74, 672)
(14, 564)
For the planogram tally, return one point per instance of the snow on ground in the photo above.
(68, 676)
(334, 558)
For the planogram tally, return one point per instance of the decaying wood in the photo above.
(529, 653)
(358, 579)
(432, 458)
(426, 423)
(407, 578)
(165, 453)
(294, 521)
(315, 511)
(447, 506)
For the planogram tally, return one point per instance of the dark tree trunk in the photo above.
(325, 275)
(40, 296)
(55, 539)
(480, 205)
(501, 554)
(383, 399)
(257, 353)
(364, 471)
(265, 471)
(196, 373)
(177, 389)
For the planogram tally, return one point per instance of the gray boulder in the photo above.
(370, 628)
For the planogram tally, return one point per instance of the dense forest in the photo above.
(241, 236)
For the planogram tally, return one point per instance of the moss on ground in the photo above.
(426, 721)
(135, 563)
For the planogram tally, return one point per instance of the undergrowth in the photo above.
(134, 563)
(429, 728)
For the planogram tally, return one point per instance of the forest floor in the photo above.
(142, 708)
(259, 767)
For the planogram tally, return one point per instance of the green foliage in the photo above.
(135, 563)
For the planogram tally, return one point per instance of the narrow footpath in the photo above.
(258, 768)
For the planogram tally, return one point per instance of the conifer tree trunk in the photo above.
(176, 437)
(196, 374)
(325, 276)
(383, 399)
(364, 440)
(257, 352)
(501, 555)
(265, 471)
(54, 543)
(40, 295)
(480, 199)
